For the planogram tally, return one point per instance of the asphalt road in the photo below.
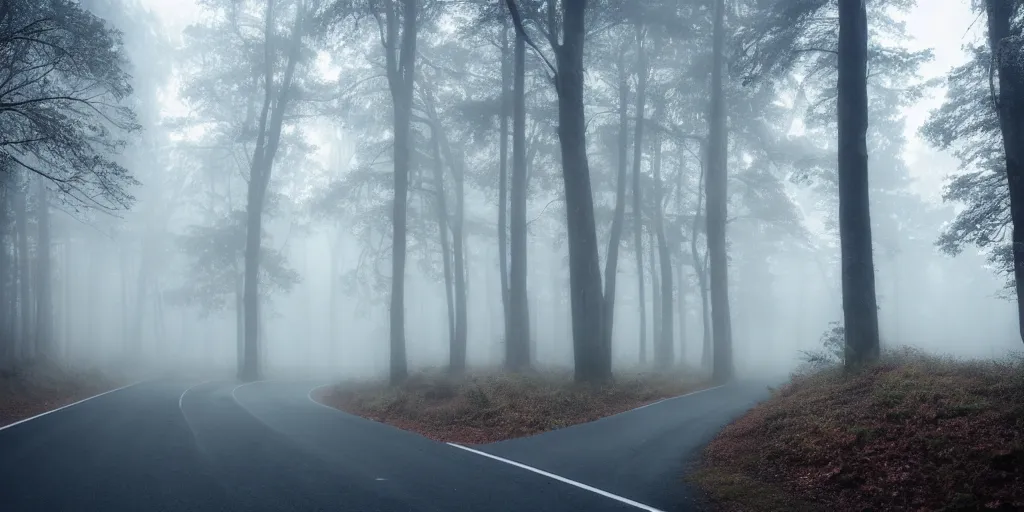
(216, 446)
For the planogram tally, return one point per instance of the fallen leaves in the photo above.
(488, 407)
(914, 433)
(35, 390)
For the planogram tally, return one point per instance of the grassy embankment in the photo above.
(916, 432)
(491, 406)
(35, 389)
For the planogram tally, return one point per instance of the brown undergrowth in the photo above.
(492, 406)
(35, 389)
(915, 432)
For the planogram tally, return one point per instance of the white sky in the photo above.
(942, 25)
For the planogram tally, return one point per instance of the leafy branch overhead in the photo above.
(63, 101)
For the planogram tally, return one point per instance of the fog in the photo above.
(156, 284)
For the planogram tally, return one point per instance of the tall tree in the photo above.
(618, 220)
(399, 29)
(664, 354)
(517, 346)
(642, 73)
(1006, 49)
(45, 344)
(268, 140)
(860, 309)
(591, 356)
(717, 200)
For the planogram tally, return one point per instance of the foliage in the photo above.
(216, 255)
(833, 351)
(967, 123)
(62, 109)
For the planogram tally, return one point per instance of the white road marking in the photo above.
(19, 422)
(311, 399)
(674, 397)
(585, 487)
(181, 398)
(242, 385)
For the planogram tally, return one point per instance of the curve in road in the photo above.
(173, 445)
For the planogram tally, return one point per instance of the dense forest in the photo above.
(374, 187)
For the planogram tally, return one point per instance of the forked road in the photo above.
(217, 446)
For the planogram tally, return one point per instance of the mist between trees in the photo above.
(371, 187)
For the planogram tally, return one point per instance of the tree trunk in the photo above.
(335, 299)
(269, 137)
(458, 356)
(506, 92)
(664, 356)
(681, 309)
(517, 346)
(860, 310)
(717, 199)
(592, 359)
(24, 273)
(66, 313)
(6, 290)
(700, 269)
(680, 273)
(441, 209)
(638, 217)
(1006, 54)
(655, 297)
(615, 236)
(240, 319)
(401, 70)
(44, 278)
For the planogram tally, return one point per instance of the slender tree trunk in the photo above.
(24, 273)
(335, 300)
(860, 309)
(681, 309)
(67, 296)
(664, 356)
(705, 297)
(655, 297)
(269, 137)
(680, 272)
(44, 277)
(6, 286)
(240, 319)
(700, 269)
(517, 347)
(1006, 55)
(615, 237)
(458, 356)
(717, 198)
(401, 70)
(638, 217)
(506, 93)
(441, 210)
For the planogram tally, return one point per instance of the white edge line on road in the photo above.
(242, 385)
(585, 487)
(321, 404)
(19, 422)
(674, 397)
(181, 398)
